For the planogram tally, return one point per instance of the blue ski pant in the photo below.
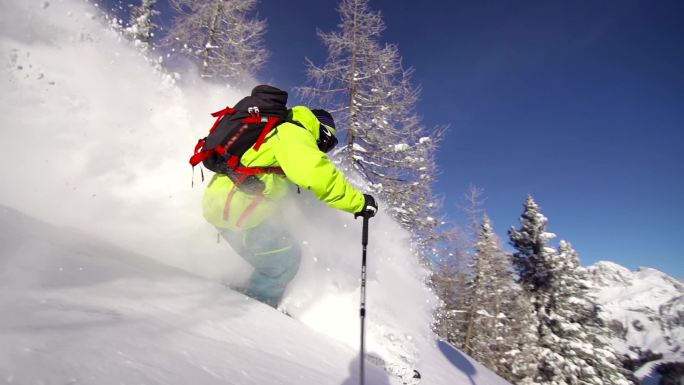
(275, 256)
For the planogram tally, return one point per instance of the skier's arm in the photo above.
(307, 166)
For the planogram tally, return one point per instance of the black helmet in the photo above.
(326, 136)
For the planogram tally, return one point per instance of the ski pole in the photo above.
(362, 313)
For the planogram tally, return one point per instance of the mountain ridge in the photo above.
(644, 310)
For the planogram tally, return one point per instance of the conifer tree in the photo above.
(568, 346)
(534, 262)
(222, 35)
(519, 359)
(534, 259)
(141, 27)
(581, 335)
(500, 331)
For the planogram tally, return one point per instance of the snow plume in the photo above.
(325, 294)
(95, 139)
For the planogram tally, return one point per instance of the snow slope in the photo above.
(645, 308)
(95, 138)
(77, 310)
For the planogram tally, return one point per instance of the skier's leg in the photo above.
(275, 256)
(270, 279)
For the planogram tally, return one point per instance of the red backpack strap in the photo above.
(248, 171)
(200, 154)
(272, 121)
(223, 112)
(233, 162)
(229, 199)
(219, 116)
(250, 209)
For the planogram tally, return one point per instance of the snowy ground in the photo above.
(126, 282)
(80, 311)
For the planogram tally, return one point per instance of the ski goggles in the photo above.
(326, 138)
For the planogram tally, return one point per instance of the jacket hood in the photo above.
(304, 116)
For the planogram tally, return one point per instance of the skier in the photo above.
(250, 220)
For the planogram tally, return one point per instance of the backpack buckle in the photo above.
(254, 111)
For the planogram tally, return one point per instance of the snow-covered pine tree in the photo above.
(565, 348)
(581, 334)
(365, 85)
(519, 359)
(534, 259)
(500, 332)
(140, 26)
(534, 262)
(222, 35)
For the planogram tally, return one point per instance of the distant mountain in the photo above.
(644, 310)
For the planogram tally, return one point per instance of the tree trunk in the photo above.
(352, 86)
(210, 38)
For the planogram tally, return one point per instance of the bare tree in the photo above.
(221, 35)
(449, 283)
(472, 208)
(454, 271)
(488, 283)
(141, 27)
(365, 84)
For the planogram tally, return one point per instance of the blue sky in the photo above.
(580, 103)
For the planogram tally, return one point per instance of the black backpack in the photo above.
(238, 129)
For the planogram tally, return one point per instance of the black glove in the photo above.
(370, 208)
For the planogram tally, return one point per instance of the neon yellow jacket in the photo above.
(294, 149)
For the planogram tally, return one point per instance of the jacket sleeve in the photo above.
(307, 166)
